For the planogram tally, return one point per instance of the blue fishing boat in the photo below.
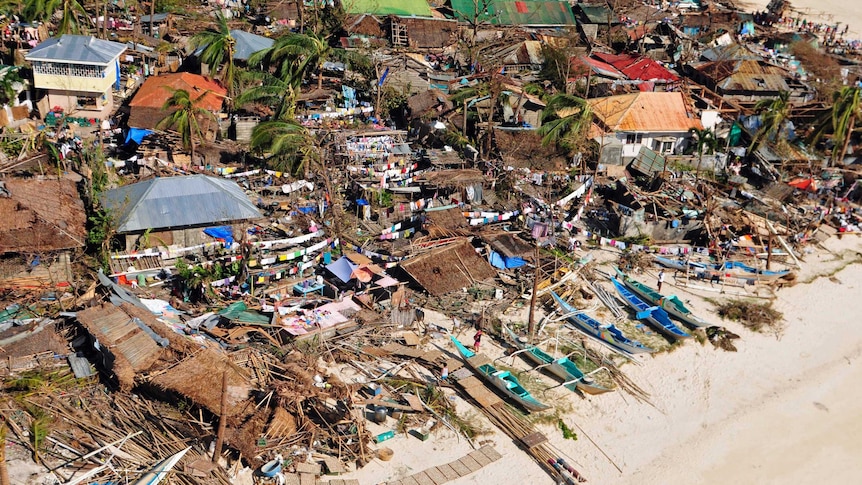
(501, 379)
(742, 270)
(653, 314)
(671, 304)
(607, 334)
(563, 368)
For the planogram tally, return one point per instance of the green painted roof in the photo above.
(417, 8)
(511, 12)
(597, 14)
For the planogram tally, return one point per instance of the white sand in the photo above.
(783, 409)
(848, 12)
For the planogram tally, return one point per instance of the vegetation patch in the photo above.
(755, 316)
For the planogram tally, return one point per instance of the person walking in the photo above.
(477, 339)
(660, 279)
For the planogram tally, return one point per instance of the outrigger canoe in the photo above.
(653, 314)
(501, 379)
(607, 334)
(671, 304)
(563, 368)
(161, 469)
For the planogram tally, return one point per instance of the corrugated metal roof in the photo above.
(644, 112)
(417, 8)
(745, 75)
(79, 49)
(157, 89)
(638, 68)
(192, 200)
(248, 43)
(518, 12)
(597, 66)
(597, 14)
(118, 332)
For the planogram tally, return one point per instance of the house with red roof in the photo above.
(146, 107)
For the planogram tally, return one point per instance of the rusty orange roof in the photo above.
(157, 89)
(644, 111)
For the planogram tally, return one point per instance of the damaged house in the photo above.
(42, 222)
(174, 211)
(625, 123)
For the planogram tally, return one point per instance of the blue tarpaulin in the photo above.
(361, 202)
(221, 232)
(500, 262)
(137, 134)
(342, 268)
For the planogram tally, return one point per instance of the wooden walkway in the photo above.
(439, 475)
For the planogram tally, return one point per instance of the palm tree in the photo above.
(185, 117)
(774, 113)
(218, 48)
(285, 145)
(295, 55)
(841, 119)
(705, 138)
(269, 90)
(565, 121)
(73, 17)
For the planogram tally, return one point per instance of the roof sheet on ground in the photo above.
(417, 8)
(509, 12)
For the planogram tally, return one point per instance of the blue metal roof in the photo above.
(78, 49)
(248, 43)
(172, 202)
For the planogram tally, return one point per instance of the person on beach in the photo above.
(660, 279)
(477, 339)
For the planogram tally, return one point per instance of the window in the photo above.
(87, 102)
(634, 138)
(667, 147)
(62, 69)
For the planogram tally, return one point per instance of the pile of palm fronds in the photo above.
(755, 316)
(635, 260)
(722, 338)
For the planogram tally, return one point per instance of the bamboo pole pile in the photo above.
(89, 420)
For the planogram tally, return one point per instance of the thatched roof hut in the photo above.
(199, 378)
(449, 268)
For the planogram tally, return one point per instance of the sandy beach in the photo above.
(782, 409)
(820, 11)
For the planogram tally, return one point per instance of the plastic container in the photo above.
(385, 436)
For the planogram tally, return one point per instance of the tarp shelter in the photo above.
(137, 135)
(223, 233)
(342, 268)
(501, 262)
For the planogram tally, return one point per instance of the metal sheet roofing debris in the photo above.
(80, 49)
(193, 200)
